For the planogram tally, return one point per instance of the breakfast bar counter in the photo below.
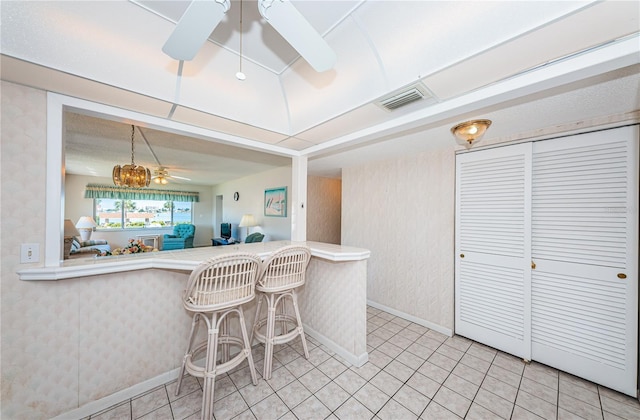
(131, 304)
(181, 259)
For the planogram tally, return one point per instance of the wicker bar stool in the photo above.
(216, 289)
(282, 273)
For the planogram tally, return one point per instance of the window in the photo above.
(140, 214)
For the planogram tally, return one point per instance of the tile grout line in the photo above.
(391, 329)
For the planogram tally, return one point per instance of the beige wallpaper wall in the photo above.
(403, 211)
(251, 201)
(324, 205)
(65, 343)
(31, 319)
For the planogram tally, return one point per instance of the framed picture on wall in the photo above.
(275, 202)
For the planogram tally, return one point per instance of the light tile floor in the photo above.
(412, 373)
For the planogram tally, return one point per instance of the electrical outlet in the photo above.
(29, 253)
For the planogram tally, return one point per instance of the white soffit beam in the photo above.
(214, 122)
(359, 119)
(511, 122)
(587, 28)
(39, 77)
(102, 41)
(612, 57)
(354, 120)
(295, 143)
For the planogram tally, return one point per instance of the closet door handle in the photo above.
(461, 255)
(622, 276)
(533, 265)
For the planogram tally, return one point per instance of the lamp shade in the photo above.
(85, 225)
(69, 229)
(86, 222)
(247, 221)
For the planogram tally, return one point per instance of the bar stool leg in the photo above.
(194, 324)
(256, 318)
(224, 332)
(247, 347)
(269, 335)
(294, 298)
(284, 328)
(210, 369)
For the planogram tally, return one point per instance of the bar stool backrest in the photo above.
(222, 282)
(284, 269)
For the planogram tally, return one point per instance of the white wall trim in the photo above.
(117, 397)
(299, 198)
(57, 104)
(54, 196)
(355, 359)
(419, 321)
(164, 378)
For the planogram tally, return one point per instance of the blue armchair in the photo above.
(254, 237)
(182, 237)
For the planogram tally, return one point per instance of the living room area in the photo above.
(227, 202)
(193, 181)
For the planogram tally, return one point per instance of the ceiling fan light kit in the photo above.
(161, 176)
(202, 16)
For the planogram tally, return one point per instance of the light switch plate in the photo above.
(29, 253)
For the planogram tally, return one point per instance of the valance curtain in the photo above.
(125, 193)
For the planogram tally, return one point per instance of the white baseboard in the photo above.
(419, 321)
(354, 359)
(122, 395)
(142, 387)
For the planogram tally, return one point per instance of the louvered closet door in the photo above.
(584, 238)
(492, 301)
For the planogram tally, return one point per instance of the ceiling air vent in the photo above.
(403, 97)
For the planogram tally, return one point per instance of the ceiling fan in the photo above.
(161, 176)
(202, 16)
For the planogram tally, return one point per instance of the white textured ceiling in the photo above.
(473, 58)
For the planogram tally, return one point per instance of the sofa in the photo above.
(181, 238)
(95, 246)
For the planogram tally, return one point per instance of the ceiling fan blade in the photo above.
(298, 32)
(179, 177)
(194, 27)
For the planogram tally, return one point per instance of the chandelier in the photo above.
(131, 175)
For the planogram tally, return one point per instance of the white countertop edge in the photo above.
(170, 261)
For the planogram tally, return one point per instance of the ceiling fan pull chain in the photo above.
(240, 75)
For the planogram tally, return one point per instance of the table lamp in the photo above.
(85, 225)
(247, 221)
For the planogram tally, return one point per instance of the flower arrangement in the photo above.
(133, 247)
